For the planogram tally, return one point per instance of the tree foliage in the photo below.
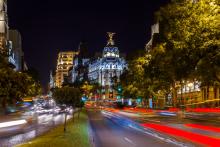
(87, 88)
(187, 48)
(133, 81)
(189, 34)
(15, 85)
(68, 96)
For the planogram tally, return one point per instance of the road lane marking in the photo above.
(130, 141)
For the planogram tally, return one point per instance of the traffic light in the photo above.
(119, 90)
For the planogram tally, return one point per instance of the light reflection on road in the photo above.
(18, 134)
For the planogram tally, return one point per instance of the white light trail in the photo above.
(130, 141)
(12, 123)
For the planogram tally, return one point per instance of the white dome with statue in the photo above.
(111, 51)
(104, 69)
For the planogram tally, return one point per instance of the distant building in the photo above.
(52, 83)
(64, 63)
(11, 55)
(104, 70)
(17, 52)
(154, 37)
(81, 62)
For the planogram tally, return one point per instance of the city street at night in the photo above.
(114, 73)
(109, 130)
(187, 131)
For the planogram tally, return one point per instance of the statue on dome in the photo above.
(111, 41)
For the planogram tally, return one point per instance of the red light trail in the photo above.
(202, 127)
(201, 139)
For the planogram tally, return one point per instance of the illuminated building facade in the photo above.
(194, 95)
(64, 63)
(104, 70)
(189, 93)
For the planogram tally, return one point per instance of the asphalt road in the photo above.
(180, 123)
(110, 131)
(181, 131)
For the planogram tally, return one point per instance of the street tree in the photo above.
(133, 81)
(14, 85)
(86, 88)
(68, 96)
(189, 41)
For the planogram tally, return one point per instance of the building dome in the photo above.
(111, 51)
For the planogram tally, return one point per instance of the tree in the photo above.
(14, 85)
(35, 81)
(86, 88)
(189, 41)
(133, 81)
(67, 96)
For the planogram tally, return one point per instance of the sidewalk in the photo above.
(75, 135)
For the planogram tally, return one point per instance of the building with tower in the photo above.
(106, 71)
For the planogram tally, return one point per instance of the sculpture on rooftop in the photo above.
(111, 41)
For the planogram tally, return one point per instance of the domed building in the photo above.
(107, 70)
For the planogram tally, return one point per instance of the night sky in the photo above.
(49, 26)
